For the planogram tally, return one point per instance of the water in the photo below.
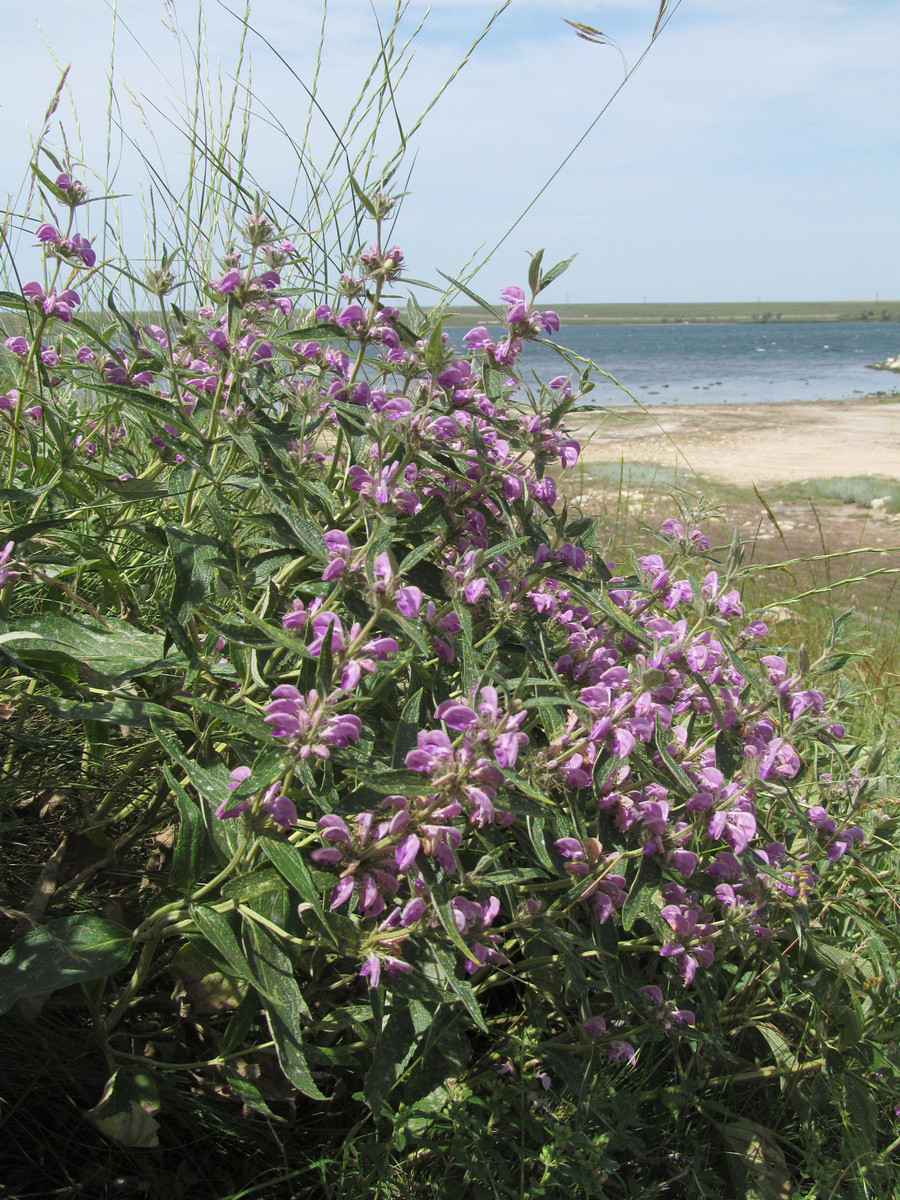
(731, 364)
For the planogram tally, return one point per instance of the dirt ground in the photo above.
(751, 443)
(721, 449)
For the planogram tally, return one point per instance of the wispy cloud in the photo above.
(754, 152)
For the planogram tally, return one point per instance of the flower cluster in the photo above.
(463, 702)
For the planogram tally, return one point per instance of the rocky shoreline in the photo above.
(889, 364)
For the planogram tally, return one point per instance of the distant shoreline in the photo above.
(674, 313)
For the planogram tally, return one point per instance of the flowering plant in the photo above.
(440, 771)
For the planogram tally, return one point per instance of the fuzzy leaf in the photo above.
(461, 987)
(395, 1045)
(284, 1005)
(188, 852)
(756, 1159)
(74, 949)
(289, 861)
(639, 901)
(125, 1113)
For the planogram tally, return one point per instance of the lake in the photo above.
(748, 363)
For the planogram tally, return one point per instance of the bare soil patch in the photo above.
(722, 452)
(743, 444)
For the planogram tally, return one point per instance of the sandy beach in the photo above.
(745, 444)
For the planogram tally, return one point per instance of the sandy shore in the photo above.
(750, 443)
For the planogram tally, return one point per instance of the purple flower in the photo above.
(82, 247)
(478, 339)
(7, 570)
(779, 759)
(54, 305)
(622, 1052)
(280, 808)
(409, 600)
(736, 827)
(371, 968)
(456, 715)
(406, 852)
(308, 723)
(353, 314)
(229, 282)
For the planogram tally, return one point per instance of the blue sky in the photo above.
(754, 154)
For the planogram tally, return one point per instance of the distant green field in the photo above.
(674, 312)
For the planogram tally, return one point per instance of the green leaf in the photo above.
(783, 1052)
(511, 875)
(325, 665)
(307, 533)
(113, 652)
(252, 885)
(121, 711)
(728, 753)
(197, 558)
(416, 555)
(534, 272)
(432, 514)
(434, 350)
(504, 547)
(395, 1045)
(673, 767)
(288, 859)
(598, 596)
(408, 728)
(756, 1160)
(74, 949)
(240, 719)
(535, 826)
(217, 930)
(284, 1005)
(556, 271)
(275, 635)
(466, 290)
(211, 784)
(409, 783)
(362, 198)
(639, 901)
(538, 702)
(527, 789)
(125, 1113)
(861, 1118)
(445, 916)
(408, 627)
(12, 301)
(249, 1093)
(611, 962)
(55, 191)
(187, 854)
(461, 987)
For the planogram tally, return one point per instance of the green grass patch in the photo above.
(864, 490)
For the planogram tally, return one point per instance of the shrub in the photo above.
(472, 828)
